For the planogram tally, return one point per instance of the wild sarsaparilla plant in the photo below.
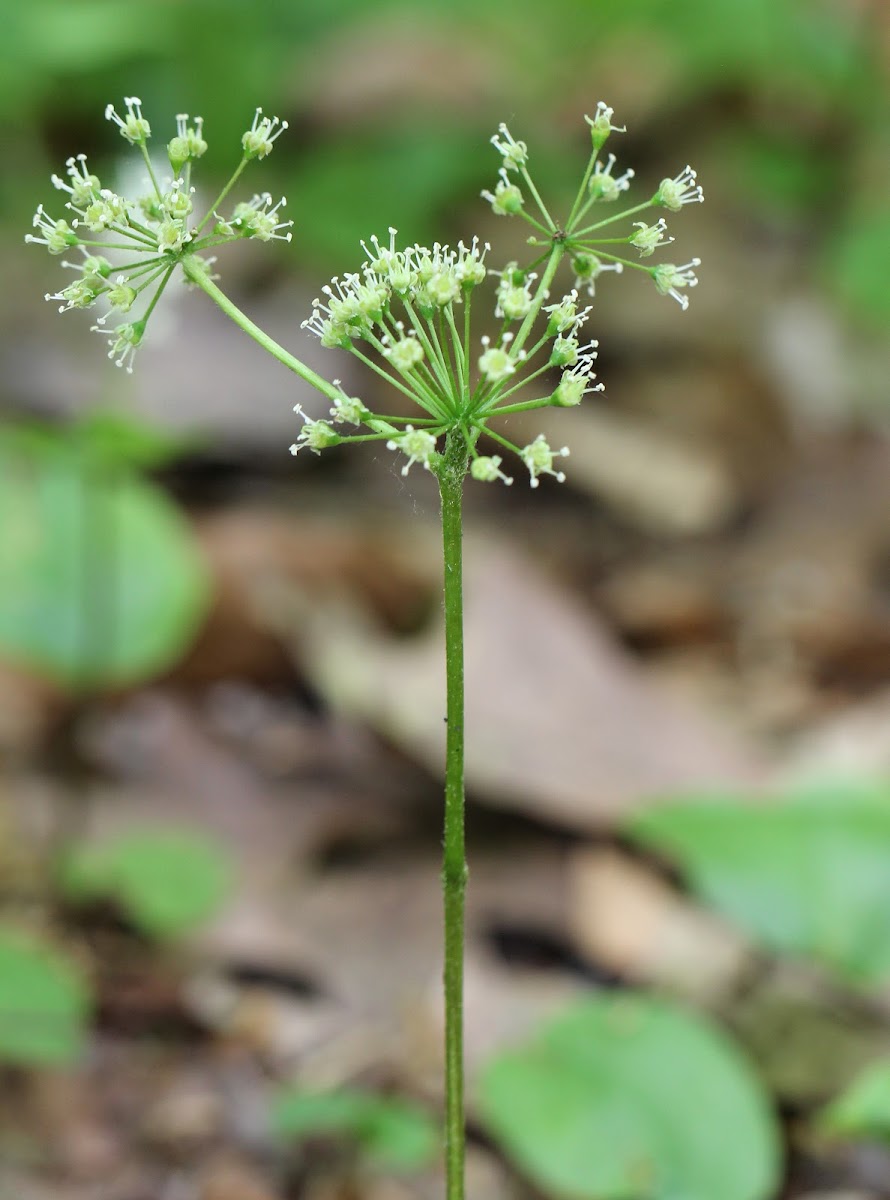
(427, 321)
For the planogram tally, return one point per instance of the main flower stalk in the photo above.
(451, 472)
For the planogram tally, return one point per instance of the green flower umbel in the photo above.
(147, 236)
(409, 315)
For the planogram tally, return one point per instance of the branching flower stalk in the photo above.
(407, 314)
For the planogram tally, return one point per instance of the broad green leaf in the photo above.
(808, 875)
(391, 1132)
(100, 579)
(628, 1098)
(164, 881)
(863, 1109)
(43, 1003)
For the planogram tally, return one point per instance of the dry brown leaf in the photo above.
(231, 1179)
(560, 722)
(626, 919)
(256, 553)
(656, 481)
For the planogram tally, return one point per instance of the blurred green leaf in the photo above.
(47, 36)
(857, 264)
(164, 881)
(405, 177)
(625, 1098)
(776, 168)
(862, 1109)
(390, 1132)
(807, 875)
(100, 579)
(117, 439)
(43, 1003)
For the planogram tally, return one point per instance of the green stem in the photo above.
(582, 190)
(154, 183)
(197, 275)
(628, 212)
(625, 262)
(556, 253)
(451, 473)
(520, 406)
(219, 199)
(550, 223)
(156, 297)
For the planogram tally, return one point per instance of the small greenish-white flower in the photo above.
(601, 125)
(514, 154)
(123, 342)
(57, 235)
(507, 199)
(417, 444)
(97, 216)
(83, 187)
(405, 354)
(575, 384)
(469, 266)
(538, 457)
(564, 352)
(133, 126)
(258, 140)
(443, 287)
(79, 294)
(172, 235)
(120, 295)
(669, 278)
(565, 315)
(495, 362)
(347, 410)
(650, 237)
(188, 143)
(683, 189)
(487, 470)
(315, 435)
(258, 218)
(589, 267)
(94, 266)
(514, 296)
(435, 282)
(177, 203)
(393, 267)
(603, 184)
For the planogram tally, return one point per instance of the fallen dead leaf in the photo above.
(625, 918)
(653, 479)
(561, 723)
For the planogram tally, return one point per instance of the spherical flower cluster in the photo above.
(400, 315)
(406, 314)
(130, 246)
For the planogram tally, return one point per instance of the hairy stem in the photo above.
(451, 473)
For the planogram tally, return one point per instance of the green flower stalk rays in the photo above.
(466, 341)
